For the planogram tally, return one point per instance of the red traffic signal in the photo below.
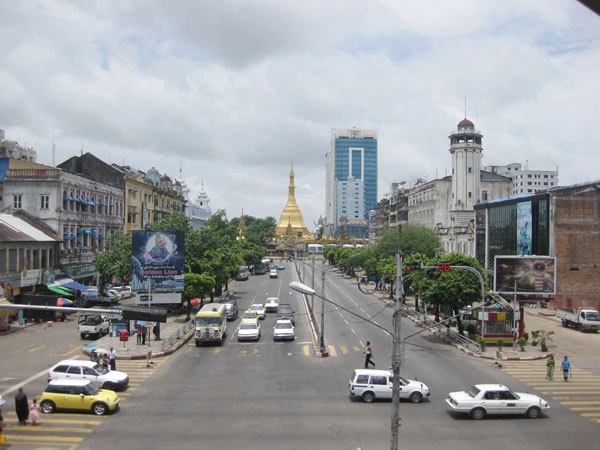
(444, 267)
(411, 267)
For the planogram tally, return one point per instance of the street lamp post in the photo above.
(396, 356)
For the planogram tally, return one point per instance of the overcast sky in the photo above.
(229, 93)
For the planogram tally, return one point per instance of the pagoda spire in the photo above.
(291, 215)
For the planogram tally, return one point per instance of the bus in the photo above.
(260, 268)
(211, 324)
(315, 248)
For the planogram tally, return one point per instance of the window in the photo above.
(17, 201)
(75, 370)
(377, 379)
(484, 195)
(44, 201)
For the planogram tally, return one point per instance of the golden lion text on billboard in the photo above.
(525, 275)
(157, 259)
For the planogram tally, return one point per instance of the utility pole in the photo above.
(396, 354)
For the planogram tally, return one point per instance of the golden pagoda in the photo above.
(291, 220)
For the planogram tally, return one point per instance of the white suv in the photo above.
(370, 384)
(74, 369)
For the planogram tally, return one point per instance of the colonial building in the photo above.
(81, 210)
(446, 205)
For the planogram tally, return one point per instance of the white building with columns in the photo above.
(446, 205)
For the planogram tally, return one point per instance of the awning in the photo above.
(76, 286)
(7, 312)
(60, 290)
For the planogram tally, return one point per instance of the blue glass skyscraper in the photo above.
(351, 177)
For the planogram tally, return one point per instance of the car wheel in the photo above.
(368, 397)
(415, 397)
(99, 409)
(533, 412)
(478, 413)
(82, 335)
(47, 407)
(197, 343)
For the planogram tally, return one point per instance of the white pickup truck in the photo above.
(583, 319)
(94, 325)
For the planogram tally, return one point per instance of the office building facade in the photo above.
(351, 178)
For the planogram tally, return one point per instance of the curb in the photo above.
(176, 346)
(434, 332)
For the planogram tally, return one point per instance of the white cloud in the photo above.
(232, 92)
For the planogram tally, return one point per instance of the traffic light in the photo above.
(411, 267)
(444, 267)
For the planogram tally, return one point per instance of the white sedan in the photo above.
(283, 330)
(259, 309)
(248, 331)
(483, 399)
(271, 304)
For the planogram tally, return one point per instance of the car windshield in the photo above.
(207, 321)
(90, 389)
(256, 307)
(249, 315)
(473, 391)
(283, 325)
(593, 316)
(248, 326)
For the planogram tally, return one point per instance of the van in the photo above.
(371, 384)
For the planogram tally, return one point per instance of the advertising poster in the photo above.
(524, 228)
(157, 259)
(525, 275)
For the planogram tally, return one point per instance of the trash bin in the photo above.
(123, 335)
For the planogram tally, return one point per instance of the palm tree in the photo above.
(545, 336)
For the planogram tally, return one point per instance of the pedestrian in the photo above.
(550, 368)
(34, 412)
(101, 360)
(138, 332)
(22, 406)
(368, 355)
(112, 358)
(144, 331)
(105, 362)
(566, 368)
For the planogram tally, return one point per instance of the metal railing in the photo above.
(177, 335)
(443, 330)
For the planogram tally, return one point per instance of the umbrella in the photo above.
(141, 323)
(63, 302)
(194, 302)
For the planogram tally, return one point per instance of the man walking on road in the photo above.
(368, 355)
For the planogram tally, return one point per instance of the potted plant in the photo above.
(522, 343)
(534, 337)
(482, 343)
(545, 337)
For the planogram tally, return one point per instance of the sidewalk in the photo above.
(176, 332)
(533, 319)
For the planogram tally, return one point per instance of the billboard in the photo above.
(524, 228)
(157, 259)
(525, 275)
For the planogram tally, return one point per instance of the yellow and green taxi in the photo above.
(78, 395)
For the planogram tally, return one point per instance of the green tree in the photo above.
(420, 239)
(258, 231)
(115, 261)
(450, 290)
